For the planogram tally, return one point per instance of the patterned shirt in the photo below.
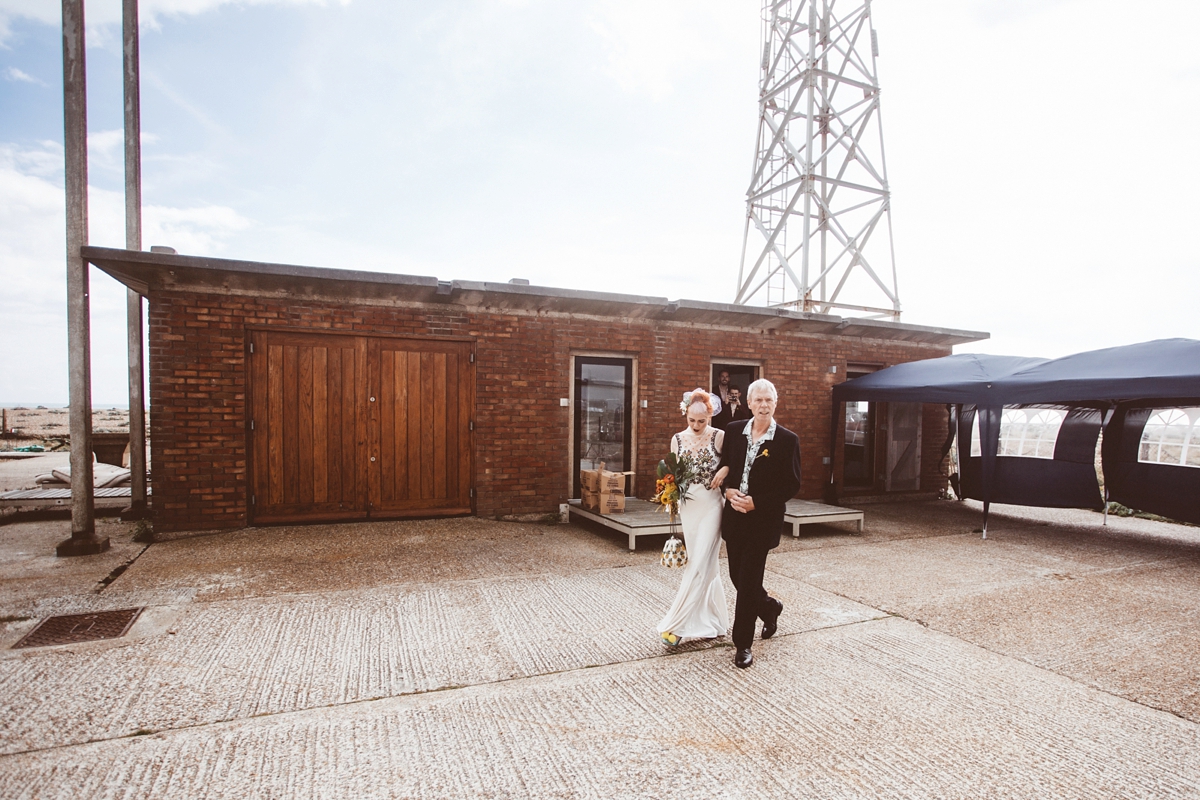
(752, 448)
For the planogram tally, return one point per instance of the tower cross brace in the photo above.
(818, 232)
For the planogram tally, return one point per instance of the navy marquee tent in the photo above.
(1115, 390)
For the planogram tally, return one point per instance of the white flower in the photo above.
(687, 401)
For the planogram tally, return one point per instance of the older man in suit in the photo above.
(763, 458)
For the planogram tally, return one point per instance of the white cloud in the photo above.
(189, 108)
(33, 273)
(198, 229)
(36, 10)
(651, 45)
(106, 145)
(19, 76)
(101, 15)
(996, 12)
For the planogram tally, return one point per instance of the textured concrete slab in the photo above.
(33, 580)
(879, 709)
(471, 658)
(312, 558)
(1113, 608)
(237, 659)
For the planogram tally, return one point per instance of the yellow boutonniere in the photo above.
(764, 453)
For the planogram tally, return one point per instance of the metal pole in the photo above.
(83, 539)
(133, 241)
(831, 497)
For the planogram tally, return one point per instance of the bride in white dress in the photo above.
(699, 610)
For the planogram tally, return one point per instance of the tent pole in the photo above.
(831, 488)
(985, 516)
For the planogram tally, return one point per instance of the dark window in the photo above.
(859, 448)
(603, 398)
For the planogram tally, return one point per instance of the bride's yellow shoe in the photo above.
(670, 639)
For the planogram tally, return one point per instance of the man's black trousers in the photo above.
(747, 562)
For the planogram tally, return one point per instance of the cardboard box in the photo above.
(603, 502)
(601, 481)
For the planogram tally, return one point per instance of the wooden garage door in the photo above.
(350, 427)
(421, 411)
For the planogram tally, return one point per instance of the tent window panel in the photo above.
(1171, 436)
(1024, 432)
(859, 448)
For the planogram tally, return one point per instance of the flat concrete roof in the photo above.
(146, 273)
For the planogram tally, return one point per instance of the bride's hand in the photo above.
(718, 478)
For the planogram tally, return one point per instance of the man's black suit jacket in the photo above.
(728, 415)
(774, 479)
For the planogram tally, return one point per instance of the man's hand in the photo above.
(740, 502)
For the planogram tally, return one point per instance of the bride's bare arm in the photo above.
(718, 478)
(719, 475)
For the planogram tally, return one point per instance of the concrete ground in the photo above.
(472, 658)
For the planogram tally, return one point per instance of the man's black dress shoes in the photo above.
(743, 659)
(771, 620)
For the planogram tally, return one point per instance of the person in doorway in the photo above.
(763, 462)
(737, 409)
(721, 390)
(699, 609)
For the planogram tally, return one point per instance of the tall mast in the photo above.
(818, 234)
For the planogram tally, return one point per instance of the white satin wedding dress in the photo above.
(699, 610)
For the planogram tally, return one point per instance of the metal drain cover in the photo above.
(72, 628)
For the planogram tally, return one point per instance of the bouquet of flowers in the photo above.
(675, 474)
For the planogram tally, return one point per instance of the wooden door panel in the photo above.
(345, 427)
(425, 392)
(308, 435)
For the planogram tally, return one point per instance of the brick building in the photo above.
(282, 393)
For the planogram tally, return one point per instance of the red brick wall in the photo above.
(523, 366)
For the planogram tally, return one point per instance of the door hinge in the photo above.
(472, 493)
(251, 424)
(472, 358)
(471, 425)
(252, 347)
(253, 499)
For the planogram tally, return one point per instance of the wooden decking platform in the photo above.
(806, 512)
(642, 518)
(111, 497)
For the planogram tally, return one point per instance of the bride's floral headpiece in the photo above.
(710, 401)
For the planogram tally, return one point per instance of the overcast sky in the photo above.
(1042, 155)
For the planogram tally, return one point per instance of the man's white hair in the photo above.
(762, 386)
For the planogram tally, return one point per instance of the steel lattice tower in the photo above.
(819, 196)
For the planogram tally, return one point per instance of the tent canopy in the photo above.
(1164, 368)
(1118, 384)
(963, 378)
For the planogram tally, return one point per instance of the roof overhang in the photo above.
(148, 273)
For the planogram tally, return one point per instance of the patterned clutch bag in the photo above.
(674, 554)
